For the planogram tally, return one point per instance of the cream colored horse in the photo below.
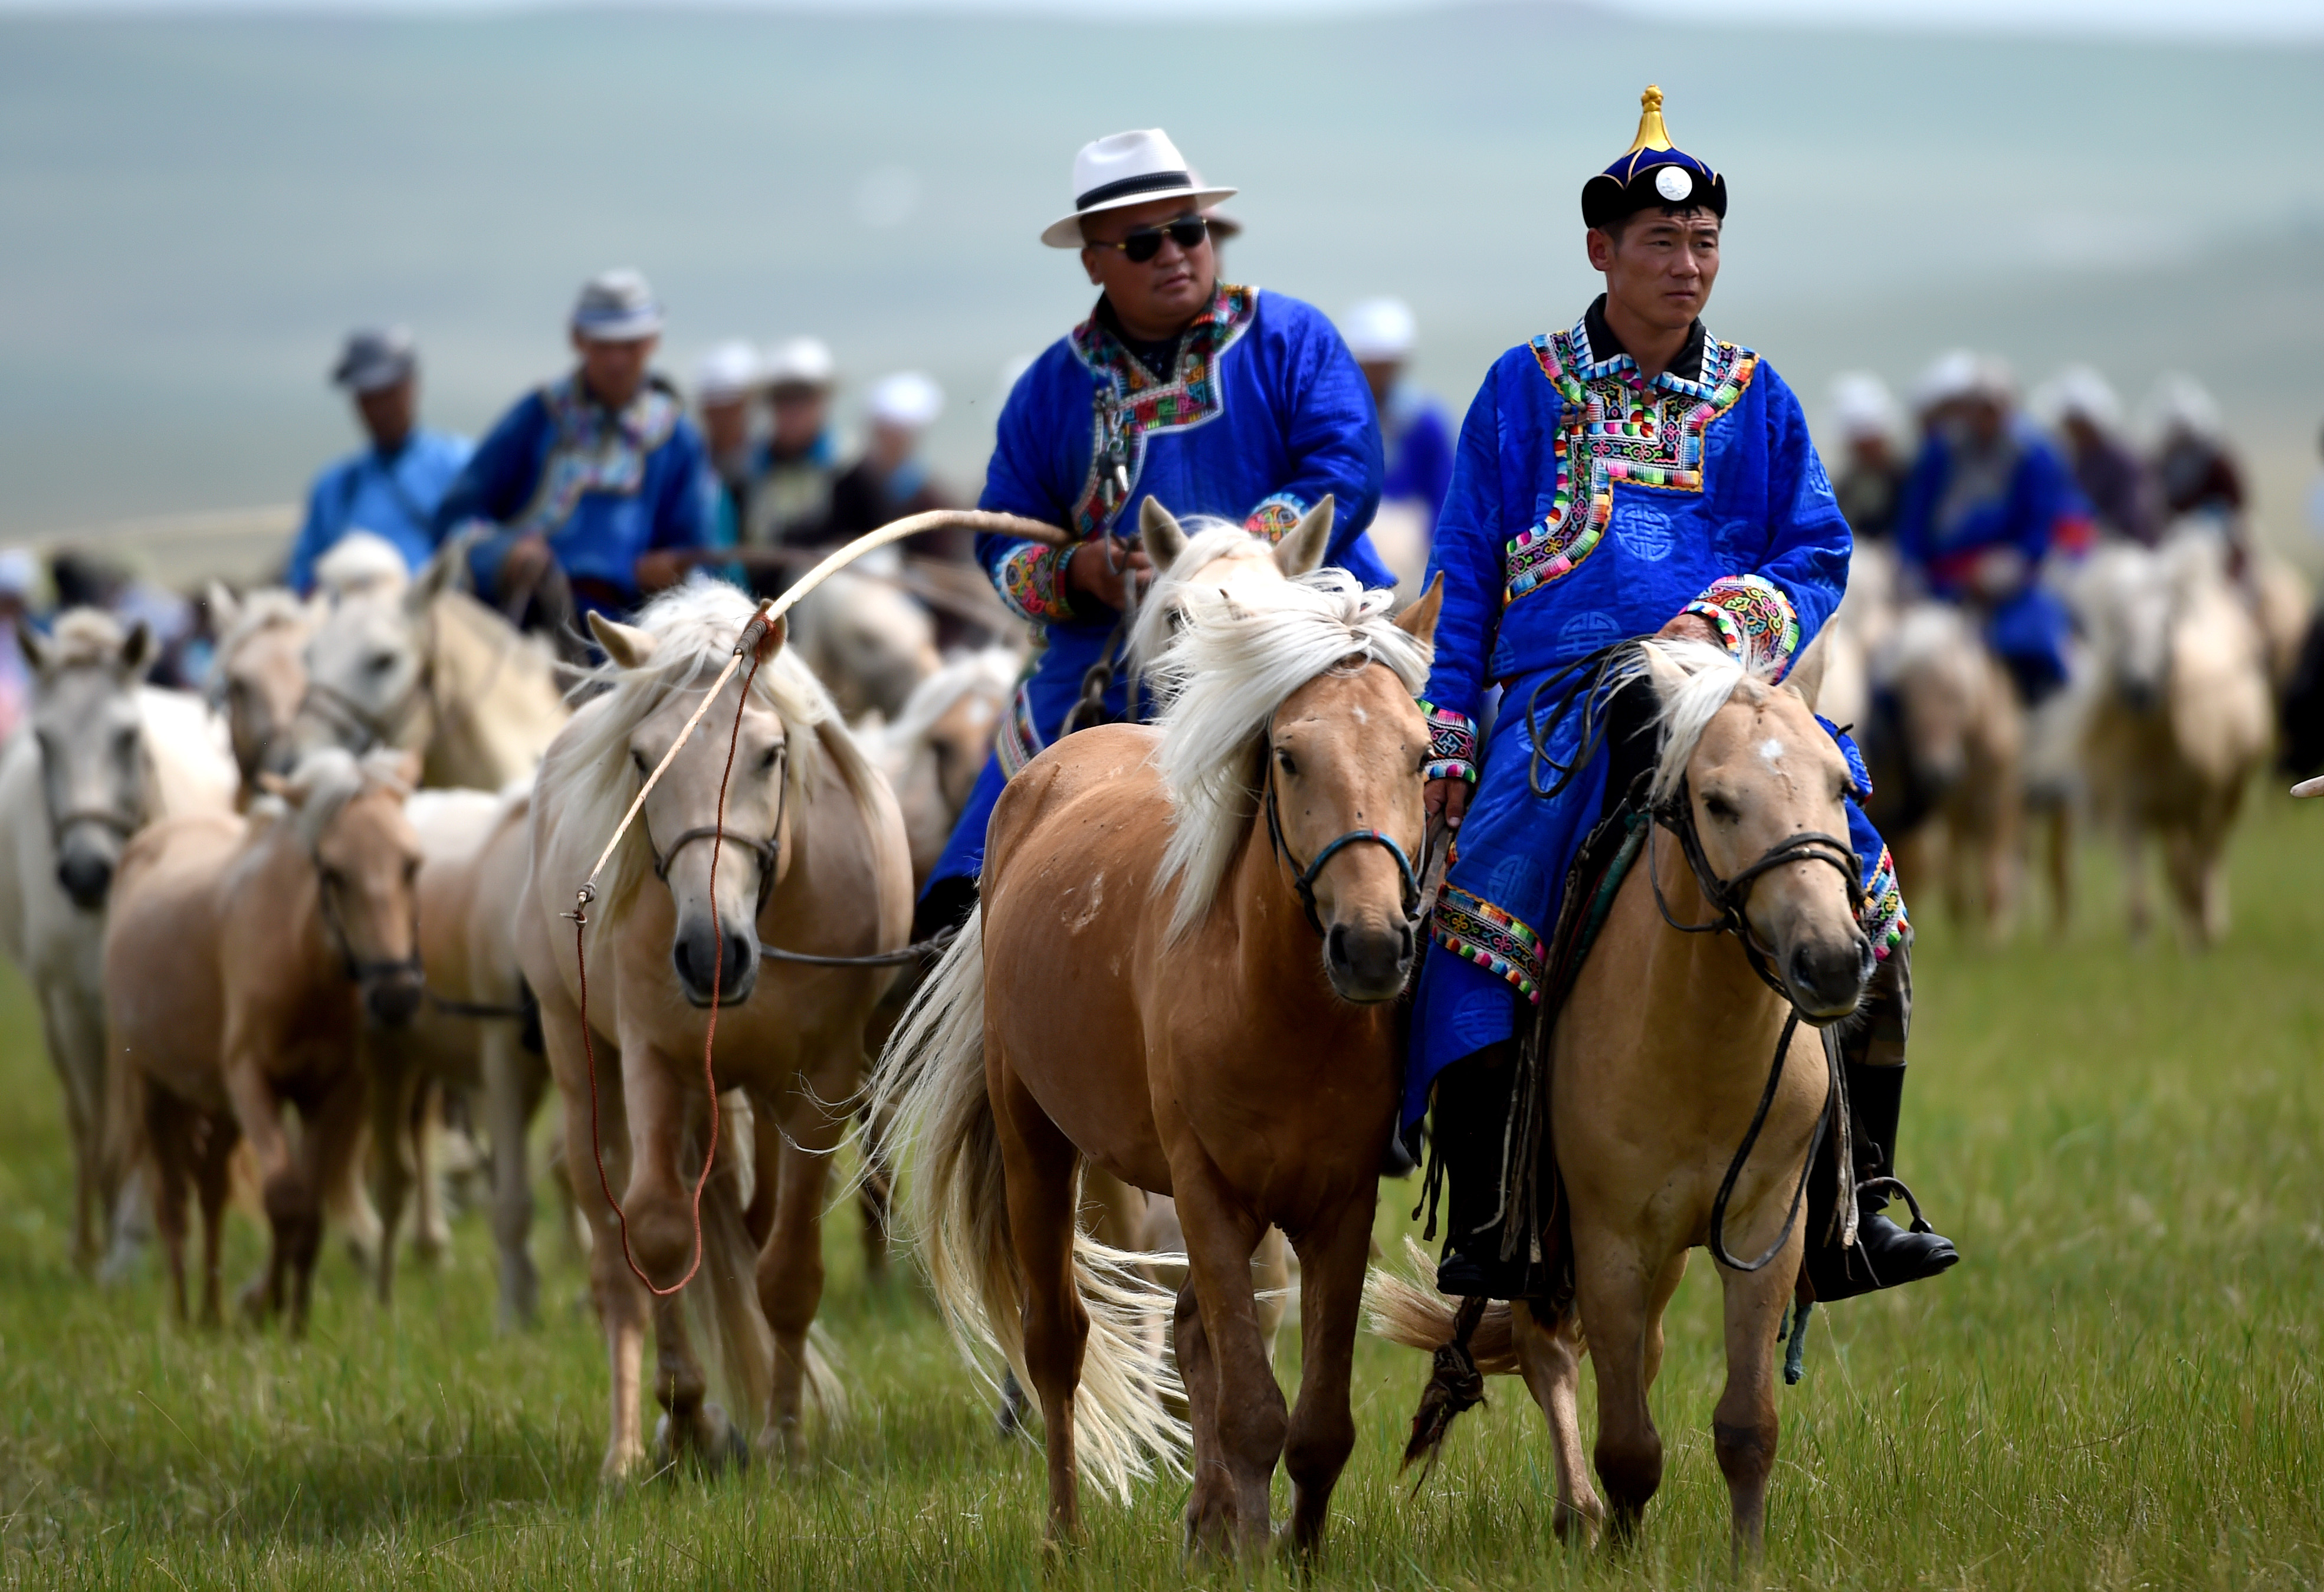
(249, 965)
(869, 643)
(933, 750)
(812, 860)
(1655, 1065)
(100, 757)
(2182, 719)
(258, 676)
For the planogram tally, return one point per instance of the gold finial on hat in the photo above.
(1652, 134)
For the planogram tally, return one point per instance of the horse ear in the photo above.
(35, 647)
(439, 576)
(226, 612)
(628, 649)
(1301, 552)
(1806, 678)
(1664, 671)
(1419, 619)
(1158, 529)
(137, 653)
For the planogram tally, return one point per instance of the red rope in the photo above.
(710, 1035)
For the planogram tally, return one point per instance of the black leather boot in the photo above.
(1884, 1256)
(1469, 1122)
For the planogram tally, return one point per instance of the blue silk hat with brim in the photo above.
(1651, 173)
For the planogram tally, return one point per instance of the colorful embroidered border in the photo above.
(1033, 582)
(592, 450)
(1616, 429)
(1883, 917)
(1275, 516)
(1145, 403)
(1472, 927)
(1452, 744)
(1019, 740)
(1754, 618)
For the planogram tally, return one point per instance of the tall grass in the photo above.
(2116, 1388)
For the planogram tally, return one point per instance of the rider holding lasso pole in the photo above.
(1209, 398)
(1630, 476)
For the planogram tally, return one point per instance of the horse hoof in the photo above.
(718, 1442)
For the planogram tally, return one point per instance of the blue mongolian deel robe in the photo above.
(1962, 500)
(1418, 437)
(1587, 507)
(392, 495)
(1264, 412)
(602, 487)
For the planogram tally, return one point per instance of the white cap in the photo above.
(908, 398)
(1125, 169)
(2179, 403)
(1380, 329)
(1862, 406)
(2079, 392)
(1952, 375)
(802, 361)
(727, 373)
(18, 570)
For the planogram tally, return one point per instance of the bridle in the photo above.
(769, 852)
(1304, 880)
(1727, 898)
(359, 970)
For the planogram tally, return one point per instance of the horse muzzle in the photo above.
(704, 949)
(1369, 964)
(85, 868)
(1825, 977)
(391, 999)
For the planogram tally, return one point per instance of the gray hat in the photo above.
(617, 306)
(374, 358)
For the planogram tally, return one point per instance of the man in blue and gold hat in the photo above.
(1629, 476)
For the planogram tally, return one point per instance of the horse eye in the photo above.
(1284, 760)
(767, 763)
(639, 759)
(1721, 808)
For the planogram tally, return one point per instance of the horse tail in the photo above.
(1408, 1309)
(930, 1087)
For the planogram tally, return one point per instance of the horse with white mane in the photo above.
(1245, 865)
(805, 851)
(102, 756)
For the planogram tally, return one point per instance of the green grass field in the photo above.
(2117, 1388)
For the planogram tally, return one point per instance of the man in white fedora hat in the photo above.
(596, 483)
(1209, 398)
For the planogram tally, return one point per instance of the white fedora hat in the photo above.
(1125, 169)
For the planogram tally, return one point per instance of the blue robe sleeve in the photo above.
(688, 514)
(1766, 613)
(493, 485)
(1467, 552)
(1334, 438)
(1030, 576)
(316, 533)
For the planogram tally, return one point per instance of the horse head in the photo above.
(1748, 769)
(258, 677)
(94, 769)
(715, 942)
(1206, 554)
(868, 642)
(366, 674)
(1302, 706)
(348, 813)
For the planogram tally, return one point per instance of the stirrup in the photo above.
(1889, 1188)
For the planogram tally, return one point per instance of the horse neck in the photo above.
(493, 715)
(1706, 999)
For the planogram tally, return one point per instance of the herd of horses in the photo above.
(1160, 1061)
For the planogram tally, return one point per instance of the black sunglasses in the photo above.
(1188, 231)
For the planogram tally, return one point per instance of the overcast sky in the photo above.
(2229, 19)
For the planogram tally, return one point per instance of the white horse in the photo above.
(2183, 717)
(102, 755)
(934, 749)
(869, 643)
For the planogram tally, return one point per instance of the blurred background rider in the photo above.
(725, 384)
(891, 480)
(1416, 438)
(394, 487)
(593, 488)
(791, 498)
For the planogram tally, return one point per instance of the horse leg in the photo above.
(214, 1173)
(259, 1114)
(1272, 1276)
(333, 1130)
(1549, 1355)
(621, 1298)
(431, 1232)
(396, 1085)
(1038, 1164)
(2135, 886)
(77, 1049)
(514, 1082)
(167, 1133)
(1323, 1434)
(1743, 1426)
(1210, 1505)
(790, 1270)
(1251, 1419)
(1621, 1293)
(2060, 837)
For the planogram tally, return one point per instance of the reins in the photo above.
(747, 646)
(1303, 878)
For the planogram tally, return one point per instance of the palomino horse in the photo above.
(808, 857)
(870, 644)
(2183, 716)
(428, 669)
(1245, 867)
(258, 677)
(1657, 1061)
(102, 756)
(246, 965)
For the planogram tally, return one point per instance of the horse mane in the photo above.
(327, 779)
(1711, 678)
(695, 627)
(1208, 539)
(941, 691)
(85, 638)
(1229, 667)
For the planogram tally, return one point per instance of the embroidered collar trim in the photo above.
(594, 449)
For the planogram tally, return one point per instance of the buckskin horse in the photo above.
(1236, 884)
